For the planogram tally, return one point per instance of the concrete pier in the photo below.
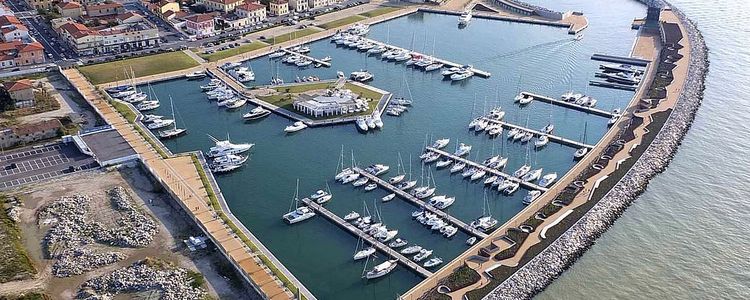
(586, 109)
(413, 200)
(552, 138)
(613, 85)
(403, 260)
(313, 59)
(527, 185)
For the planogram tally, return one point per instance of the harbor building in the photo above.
(330, 103)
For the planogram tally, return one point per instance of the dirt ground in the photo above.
(167, 245)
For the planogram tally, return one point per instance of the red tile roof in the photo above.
(37, 127)
(77, 30)
(9, 20)
(279, 1)
(12, 86)
(19, 47)
(68, 5)
(251, 6)
(200, 18)
(226, 2)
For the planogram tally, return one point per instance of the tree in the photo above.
(6, 103)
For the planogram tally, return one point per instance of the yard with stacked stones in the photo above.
(97, 234)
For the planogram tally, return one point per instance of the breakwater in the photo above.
(558, 256)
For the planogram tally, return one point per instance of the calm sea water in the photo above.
(686, 237)
(540, 59)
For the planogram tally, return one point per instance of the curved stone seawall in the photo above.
(552, 261)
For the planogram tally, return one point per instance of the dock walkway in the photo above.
(413, 200)
(552, 137)
(476, 71)
(313, 59)
(588, 110)
(374, 242)
(527, 185)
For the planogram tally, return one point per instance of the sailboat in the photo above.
(322, 196)
(485, 222)
(401, 175)
(174, 131)
(382, 269)
(365, 252)
(581, 152)
(298, 214)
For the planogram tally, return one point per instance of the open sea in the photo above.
(666, 240)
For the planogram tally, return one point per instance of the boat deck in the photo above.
(536, 133)
(413, 200)
(313, 59)
(527, 185)
(448, 63)
(374, 242)
(588, 110)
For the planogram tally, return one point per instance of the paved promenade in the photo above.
(181, 179)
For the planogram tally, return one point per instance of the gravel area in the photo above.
(552, 261)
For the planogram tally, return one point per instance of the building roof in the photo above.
(279, 1)
(69, 5)
(77, 30)
(225, 2)
(107, 145)
(30, 47)
(200, 18)
(168, 14)
(37, 127)
(18, 46)
(251, 6)
(19, 85)
(11, 28)
(9, 20)
(105, 5)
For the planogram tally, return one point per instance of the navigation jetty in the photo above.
(586, 109)
(413, 200)
(527, 185)
(374, 242)
(553, 138)
(313, 59)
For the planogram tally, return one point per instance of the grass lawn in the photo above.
(363, 92)
(343, 21)
(379, 11)
(303, 87)
(142, 66)
(292, 35)
(124, 110)
(218, 55)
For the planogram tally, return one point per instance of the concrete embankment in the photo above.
(552, 261)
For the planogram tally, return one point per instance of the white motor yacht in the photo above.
(229, 159)
(256, 113)
(457, 167)
(433, 67)
(525, 100)
(548, 179)
(549, 128)
(160, 123)
(350, 178)
(450, 231)
(464, 18)
(351, 216)
(397, 243)
(424, 253)
(411, 249)
(484, 223)
(236, 103)
(441, 143)
(226, 147)
(396, 179)
(277, 54)
(148, 105)
(541, 141)
(461, 75)
(296, 126)
(463, 149)
(407, 185)
(512, 188)
(151, 118)
(381, 269)
(450, 71)
(580, 153)
(371, 187)
(512, 133)
(531, 196)
(196, 75)
(298, 215)
(135, 98)
(388, 197)
(361, 181)
(443, 163)
(124, 93)
(361, 76)
(362, 124)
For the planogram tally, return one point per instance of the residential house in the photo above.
(21, 92)
(253, 11)
(129, 18)
(12, 29)
(18, 53)
(29, 133)
(278, 7)
(299, 5)
(40, 4)
(117, 39)
(319, 3)
(200, 25)
(220, 5)
(82, 39)
(163, 6)
(73, 10)
(104, 9)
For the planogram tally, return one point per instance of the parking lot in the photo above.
(34, 164)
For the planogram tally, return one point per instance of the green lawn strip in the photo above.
(214, 202)
(292, 35)
(130, 115)
(16, 264)
(379, 11)
(342, 22)
(363, 92)
(219, 55)
(125, 111)
(142, 66)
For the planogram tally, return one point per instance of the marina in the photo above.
(586, 109)
(552, 137)
(525, 184)
(372, 241)
(421, 204)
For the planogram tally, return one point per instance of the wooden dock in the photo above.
(552, 137)
(476, 71)
(315, 60)
(588, 110)
(417, 202)
(527, 185)
(373, 241)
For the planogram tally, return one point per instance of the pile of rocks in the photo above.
(551, 262)
(72, 262)
(170, 282)
(72, 230)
